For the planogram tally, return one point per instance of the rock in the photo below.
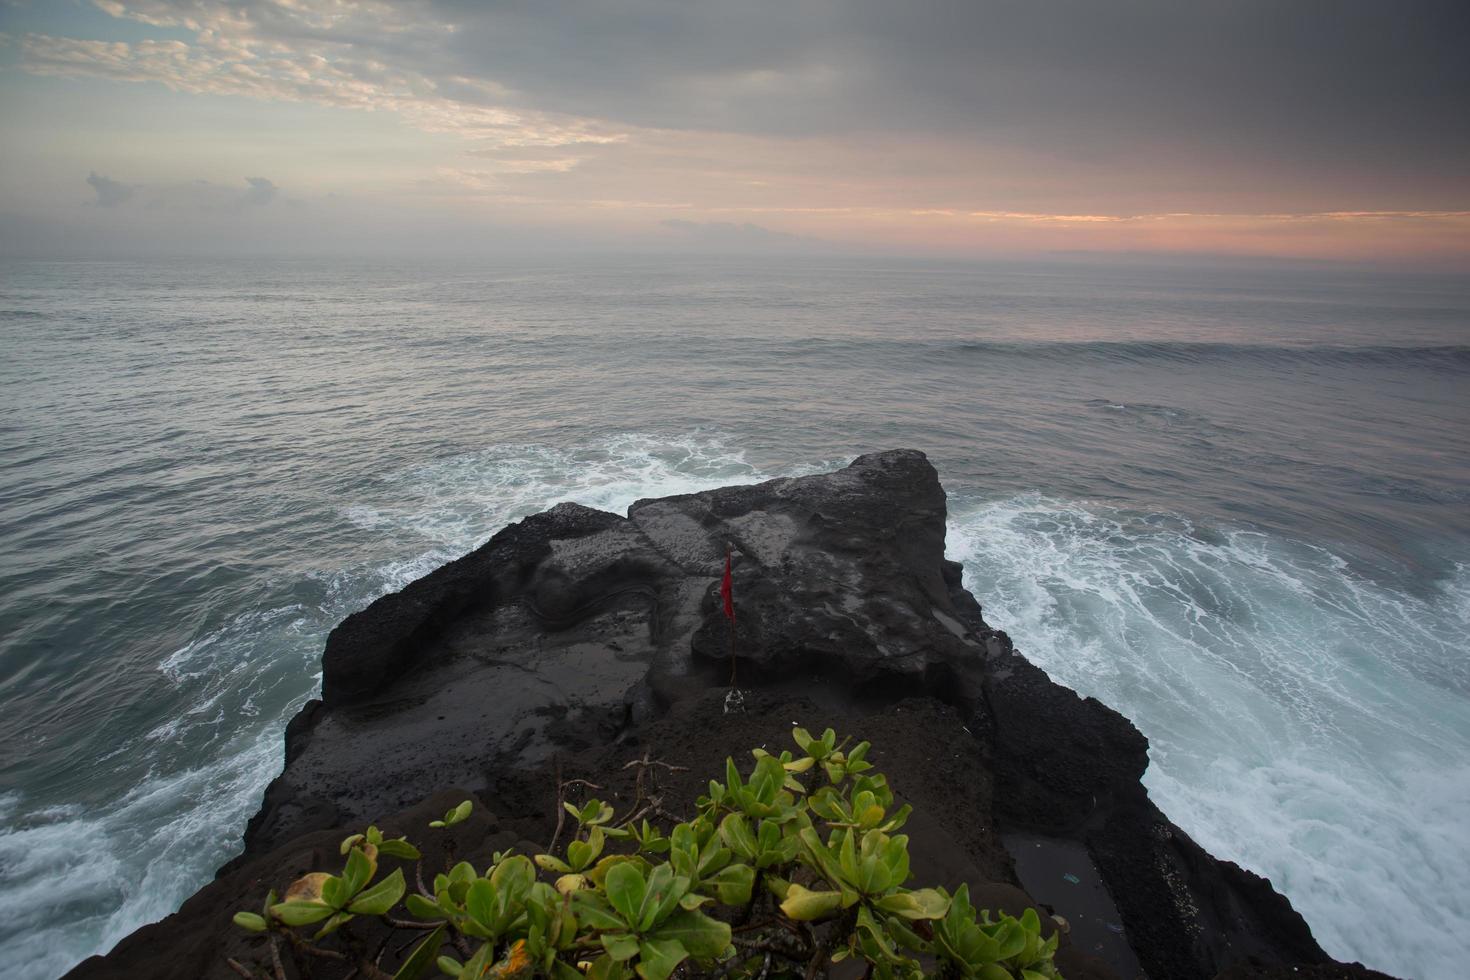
(580, 640)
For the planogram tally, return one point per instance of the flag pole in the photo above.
(734, 701)
(728, 551)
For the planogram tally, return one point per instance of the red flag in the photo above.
(727, 590)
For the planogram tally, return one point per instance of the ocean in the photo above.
(1232, 502)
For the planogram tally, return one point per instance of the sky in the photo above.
(1330, 130)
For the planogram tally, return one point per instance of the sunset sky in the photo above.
(1321, 130)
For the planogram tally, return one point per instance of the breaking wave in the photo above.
(1303, 721)
(75, 878)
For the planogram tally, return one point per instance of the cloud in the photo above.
(936, 121)
(1355, 87)
(193, 195)
(110, 193)
(729, 233)
(261, 191)
(382, 61)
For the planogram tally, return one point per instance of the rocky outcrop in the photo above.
(576, 640)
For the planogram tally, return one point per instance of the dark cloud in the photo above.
(261, 191)
(1363, 98)
(110, 193)
(1355, 84)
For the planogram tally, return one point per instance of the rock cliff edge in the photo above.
(576, 640)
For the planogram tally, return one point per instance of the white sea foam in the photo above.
(75, 879)
(1304, 721)
(458, 502)
(1299, 716)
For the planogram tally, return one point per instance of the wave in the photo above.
(1449, 356)
(77, 876)
(1303, 721)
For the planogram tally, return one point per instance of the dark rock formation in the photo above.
(580, 639)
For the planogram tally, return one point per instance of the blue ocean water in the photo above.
(1230, 502)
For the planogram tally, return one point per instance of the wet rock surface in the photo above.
(577, 641)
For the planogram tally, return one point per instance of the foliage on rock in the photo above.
(787, 869)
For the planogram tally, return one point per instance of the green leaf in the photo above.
(827, 803)
(594, 914)
(251, 921)
(899, 818)
(596, 840)
(683, 850)
(449, 965)
(905, 936)
(703, 937)
(732, 776)
(926, 903)
(479, 902)
(333, 924)
(481, 962)
(422, 957)
(606, 968)
(399, 849)
(657, 958)
(359, 869)
(847, 860)
(1012, 939)
(733, 883)
(548, 862)
(873, 940)
(301, 913)
(459, 813)
(421, 908)
(821, 858)
(711, 859)
(621, 946)
(735, 832)
(660, 894)
(334, 891)
(806, 906)
(624, 885)
(803, 739)
(895, 854)
(378, 899)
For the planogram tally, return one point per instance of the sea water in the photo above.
(1233, 503)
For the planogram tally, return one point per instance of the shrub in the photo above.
(786, 869)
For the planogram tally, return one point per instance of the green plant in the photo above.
(784, 870)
